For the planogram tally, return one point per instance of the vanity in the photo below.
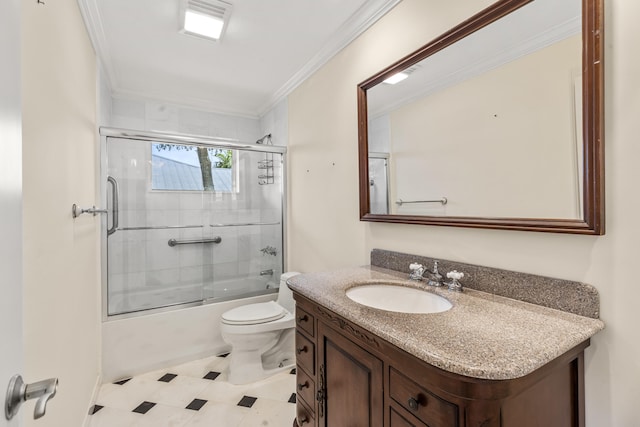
(488, 361)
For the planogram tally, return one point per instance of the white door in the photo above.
(10, 201)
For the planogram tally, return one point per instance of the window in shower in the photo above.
(176, 243)
(180, 167)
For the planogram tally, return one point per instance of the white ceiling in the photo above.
(268, 48)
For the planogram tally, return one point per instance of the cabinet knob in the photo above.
(300, 350)
(303, 420)
(304, 318)
(305, 385)
(413, 404)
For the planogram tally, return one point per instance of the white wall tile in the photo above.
(123, 122)
(165, 277)
(105, 105)
(134, 109)
(160, 256)
(276, 122)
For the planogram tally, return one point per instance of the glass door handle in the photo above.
(115, 196)
(19, 392)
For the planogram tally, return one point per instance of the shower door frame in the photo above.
(175, 138)
(387, 159)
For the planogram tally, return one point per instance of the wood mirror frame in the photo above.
(592, 124)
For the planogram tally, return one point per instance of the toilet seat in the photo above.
(253, 314)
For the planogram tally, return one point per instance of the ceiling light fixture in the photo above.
(396, 78)
(205, 18)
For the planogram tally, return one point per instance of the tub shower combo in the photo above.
(190, 220)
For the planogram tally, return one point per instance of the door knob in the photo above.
(19, 392)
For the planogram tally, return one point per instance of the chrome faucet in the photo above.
(435, 278)
(266, 272)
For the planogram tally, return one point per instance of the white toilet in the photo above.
(262, 336)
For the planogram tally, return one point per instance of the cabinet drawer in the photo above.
(305, 353)
(305, 321)
(397, 420)
(305, 387)
(426, 406)
(304, 418)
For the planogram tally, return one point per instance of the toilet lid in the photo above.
(252, 314)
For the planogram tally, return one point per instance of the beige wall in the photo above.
(61, 265)
(324, 231)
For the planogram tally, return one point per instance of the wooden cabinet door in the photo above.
(351, 382)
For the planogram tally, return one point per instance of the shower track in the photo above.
(166, 227)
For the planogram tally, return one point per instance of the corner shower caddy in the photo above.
(266, 165)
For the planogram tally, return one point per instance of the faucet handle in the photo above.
(454, 285)
(455, 274)
(416, 271)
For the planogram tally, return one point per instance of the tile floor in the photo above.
(195, 394)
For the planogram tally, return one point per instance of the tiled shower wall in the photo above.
(163, 117)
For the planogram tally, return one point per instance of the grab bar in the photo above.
(174, 242)
(401, 202)
(114, 205)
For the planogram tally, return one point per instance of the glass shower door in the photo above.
(149, 265)
(195, 223)
(251, 223)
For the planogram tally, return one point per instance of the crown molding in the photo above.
(367, 15)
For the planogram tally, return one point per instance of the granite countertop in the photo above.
(482, 336)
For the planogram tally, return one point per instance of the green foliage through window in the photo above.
(177, 168)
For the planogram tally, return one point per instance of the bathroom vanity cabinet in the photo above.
(350, 377)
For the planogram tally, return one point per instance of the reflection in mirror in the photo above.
(379, 182)
(490, 127)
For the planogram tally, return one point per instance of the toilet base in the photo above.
(277, 355)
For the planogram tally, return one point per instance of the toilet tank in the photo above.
(285, 296)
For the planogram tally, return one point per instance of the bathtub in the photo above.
(134, 345)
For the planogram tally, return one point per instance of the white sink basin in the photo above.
(398, 298)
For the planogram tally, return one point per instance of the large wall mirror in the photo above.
(498, 123)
